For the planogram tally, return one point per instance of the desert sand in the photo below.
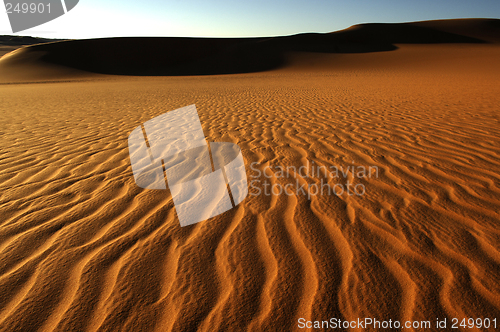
(83, 248)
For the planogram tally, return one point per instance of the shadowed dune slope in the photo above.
(210, 56)
(485, 29)
(426, 32)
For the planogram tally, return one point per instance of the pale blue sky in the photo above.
(108, 18)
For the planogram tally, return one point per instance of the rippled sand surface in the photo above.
(83, 248)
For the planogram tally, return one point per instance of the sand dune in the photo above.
(211, 56)
(83, 248)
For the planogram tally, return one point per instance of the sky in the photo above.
(237, 18)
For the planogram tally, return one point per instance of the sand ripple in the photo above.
(82, 248)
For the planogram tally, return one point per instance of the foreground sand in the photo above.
(84, 249)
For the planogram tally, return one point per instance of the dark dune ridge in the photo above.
(211, 56)
(6, 40)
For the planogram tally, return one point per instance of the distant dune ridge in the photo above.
(11, 43)
(212, 56)
(84, 248)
